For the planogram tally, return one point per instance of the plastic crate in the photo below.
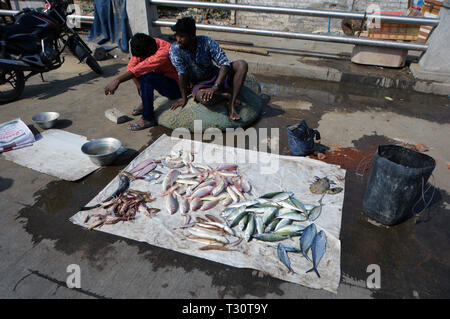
(395, 31)
(430, 9)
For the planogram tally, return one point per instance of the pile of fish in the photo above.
(122, 205)
(192, 186)
(211, 231)
(271, 217)
(309, 239)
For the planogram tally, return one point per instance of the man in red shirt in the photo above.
(151, 69)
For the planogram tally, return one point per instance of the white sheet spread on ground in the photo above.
(56, 153)
(271, 173)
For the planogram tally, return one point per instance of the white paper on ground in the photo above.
(13, 133)
(56, 153)
(293, 174)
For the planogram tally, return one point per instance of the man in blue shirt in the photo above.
(193, 58)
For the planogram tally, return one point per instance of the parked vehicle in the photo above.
(34, 44)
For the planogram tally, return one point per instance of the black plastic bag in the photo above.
(301, 138)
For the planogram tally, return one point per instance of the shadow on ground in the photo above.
(5, 183)
(47, 90)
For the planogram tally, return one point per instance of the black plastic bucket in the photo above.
(396, 181)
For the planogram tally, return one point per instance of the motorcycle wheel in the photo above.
(12, 84)
(81, 53)
(93, 64)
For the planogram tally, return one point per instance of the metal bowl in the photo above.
(46, 119)
(102, 151)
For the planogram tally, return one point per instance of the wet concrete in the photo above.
(412, 256)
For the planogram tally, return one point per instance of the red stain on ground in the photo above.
(349, 159)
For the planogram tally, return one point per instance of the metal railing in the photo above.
(294, 11)
(336, 14)
(304, 12)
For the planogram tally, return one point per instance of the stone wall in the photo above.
(309, 24)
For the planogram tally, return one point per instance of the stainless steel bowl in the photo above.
(46, 120)
(102, 151)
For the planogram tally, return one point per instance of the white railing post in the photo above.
(141, 15)
(435, 63)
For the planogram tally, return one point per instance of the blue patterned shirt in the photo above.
(201, 67)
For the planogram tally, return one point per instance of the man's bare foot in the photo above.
(234, 116)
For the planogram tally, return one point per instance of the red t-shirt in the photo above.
(158, 62)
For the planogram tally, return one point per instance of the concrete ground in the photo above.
(37, 241)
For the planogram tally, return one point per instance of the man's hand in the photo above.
(112, 87)
(181, 102)
(207, 94)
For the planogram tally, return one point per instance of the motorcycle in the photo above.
(34, 43)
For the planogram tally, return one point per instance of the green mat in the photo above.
(213, 116)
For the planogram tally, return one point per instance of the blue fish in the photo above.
(318, 250)
(284, 258)
(307, 239)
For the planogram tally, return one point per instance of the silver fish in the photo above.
(289, 230)
(184, 206)
(306, 239)
(293, 216)
(269, 237)
(196, 203)
(207, 235)
(187, 182)
(315, 213)
(227, 173)
(289, 205)
(141, 165)
(169, 179)
(202, 192)
(283, 222)
(171, 204)
(269, 215)
(245, 185)
(259, 224)
(203, 167)
(208, 205)
(146, 170)
(238, 218)
(318, 249)
(225, 228)
(227, 201)
(272, 225)
(210, 182)
(251, 227)
(219, 188)
(232, 195)
(234, 188)
(246, 203)
(298, 204)
(214, 198)
(172, 164)
(284, 258)
(244, 222)
(186, 176)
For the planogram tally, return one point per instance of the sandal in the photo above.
(138, 127)
(137, 110)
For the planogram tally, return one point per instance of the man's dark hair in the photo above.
(140, 45)
(185, 25)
